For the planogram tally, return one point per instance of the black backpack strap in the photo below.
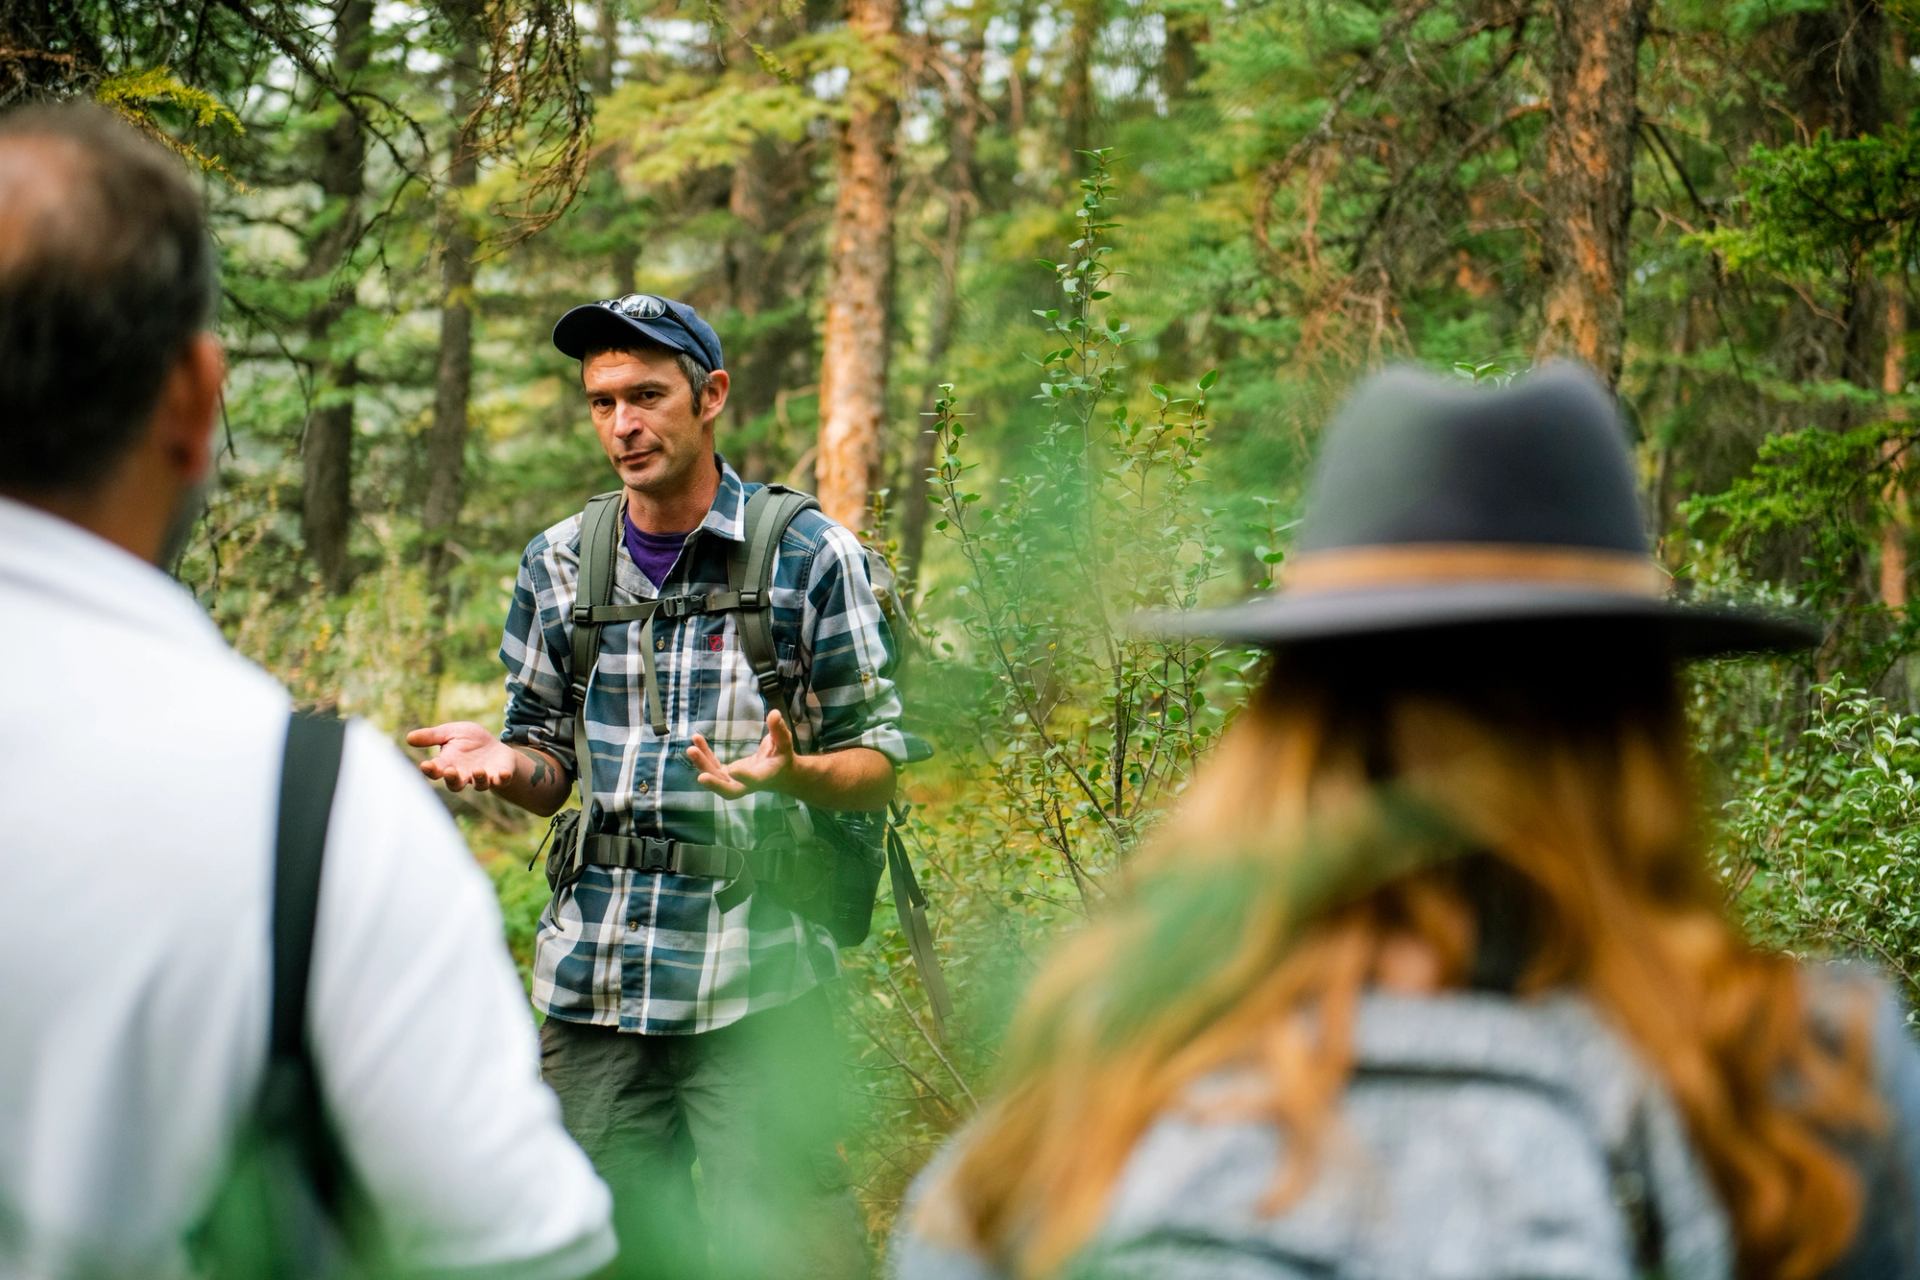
(287, 1205)
(770, 509)
(593, 592)
(290, 1099)
(750, 572)
(910, 904)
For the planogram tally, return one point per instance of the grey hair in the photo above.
(696, 374)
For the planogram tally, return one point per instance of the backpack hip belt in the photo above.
(655, 856)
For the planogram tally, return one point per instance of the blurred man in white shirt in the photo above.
(138, 788)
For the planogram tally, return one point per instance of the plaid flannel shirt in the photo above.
(656, 954)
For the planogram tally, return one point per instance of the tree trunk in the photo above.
(1588, 180)
(1020, 74)
(1893, 533)
(853, 364)
(961, 182)
(326, 496)
(770, 261)
(622, 257)
(1180, 59)
(453, 373)
(1893, 381)
(766, 275)
(1076, 86)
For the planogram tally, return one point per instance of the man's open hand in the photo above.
(764, 770)
(470, 756)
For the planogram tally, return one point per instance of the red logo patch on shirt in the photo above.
(716, 643)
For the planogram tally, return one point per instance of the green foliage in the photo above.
(1090, 723)
(148, 97)
(1829, 205)
(1820, 846)
(1064, 727)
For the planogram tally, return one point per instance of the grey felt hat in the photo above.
(1437, 503)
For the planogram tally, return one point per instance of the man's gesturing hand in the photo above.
(472, 757)
(469, 756)
(849, 778)
(764, 770)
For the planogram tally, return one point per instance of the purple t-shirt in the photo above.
(653, 552)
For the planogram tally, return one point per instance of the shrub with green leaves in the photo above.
(1821, 842)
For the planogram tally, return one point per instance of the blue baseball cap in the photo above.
(661, 322)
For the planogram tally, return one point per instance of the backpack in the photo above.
(287, 1203)
(829, 870)
(1479, 1135)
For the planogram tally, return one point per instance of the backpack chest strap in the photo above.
(589, 618)
(673, 607)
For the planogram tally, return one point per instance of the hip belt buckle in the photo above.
(656, 855)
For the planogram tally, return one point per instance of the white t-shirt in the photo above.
(139, 775)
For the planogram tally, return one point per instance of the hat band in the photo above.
(1429, 564)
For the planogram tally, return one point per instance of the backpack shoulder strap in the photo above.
(290, 1104)
(599, 535)
(770, 509)
(593, 590)
(286, 1203)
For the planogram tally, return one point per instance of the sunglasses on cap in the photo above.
(646, 306)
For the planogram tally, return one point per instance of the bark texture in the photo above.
(853, 364)
(326, 496)
(1588, 182)
(1893, 380)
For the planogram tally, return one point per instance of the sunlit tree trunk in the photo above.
(853, 365)
(326, 497)
(1588, 179)
(1893, 381)
(453, 372)
(1893, 533)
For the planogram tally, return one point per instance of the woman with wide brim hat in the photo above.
(1427, 975)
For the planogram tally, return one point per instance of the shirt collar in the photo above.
(45, 555)
(727, 517)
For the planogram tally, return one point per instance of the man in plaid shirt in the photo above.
(681, 1023)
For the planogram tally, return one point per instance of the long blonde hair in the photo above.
(1562, 768)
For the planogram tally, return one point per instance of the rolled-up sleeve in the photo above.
(849, 656)
(535, 650)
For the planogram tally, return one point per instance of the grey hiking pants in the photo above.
(756, 1104)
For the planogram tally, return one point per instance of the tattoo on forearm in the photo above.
(543, 772)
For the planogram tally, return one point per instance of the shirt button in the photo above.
(645, 787)
(660, 642)
(632, 925)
